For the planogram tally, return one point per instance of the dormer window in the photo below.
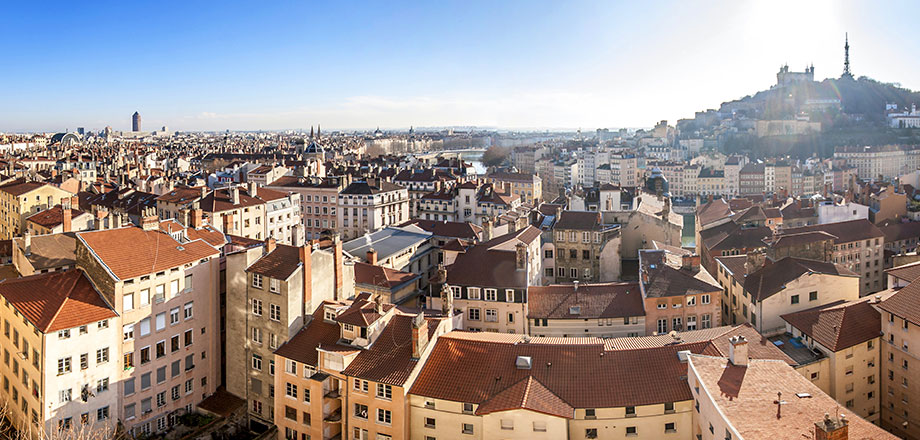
(329, 315)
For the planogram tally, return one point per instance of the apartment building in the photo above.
(759, 291)
(60, 355)
(548, 388)
(20, 199)
(350, 392)
(420, 182)
(858, 246)
(488, 282)
(736, 397)
(172, 203)
(846, 334)
(283, 220)
(586, 249)
(365, 206)
(236, 211)
(318, 202)
(678, 294)
(898, 368)
(752, 179)
(528, 187)
(164, 287)
(272, 290)
(603, 310)
(59, 219)
(883, 161)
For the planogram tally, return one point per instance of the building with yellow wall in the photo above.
(20, 199)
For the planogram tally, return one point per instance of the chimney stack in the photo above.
(830, 429)
(27, 242)
(738, 351)
(270, 244)
(150, 221)
(755, 261)
(306, 263)
(690, 262)
(204, 191)
(372, 257)
(339, 262)
(486, 229)
(66, 217)
(419, 335)
(235, 195)
(253, 189)
(520, 250)
(196, 221)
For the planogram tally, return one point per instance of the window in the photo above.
(66, 395)
(590, 413)
(669, 427)
(591, 433)
(128, 301)
(813, 296)
(275, 312)
(63, 334)
(145, 326)
(384, 416)
(539, 426)
(794, 299)
(384, 391)
(632, 431)
(145, 297)
(102, 413)
(257, 307)
(473, 314)
(507, 425)
(630, 411)
(704, 298)
(102, 355)
(705, 321)
(467, 408)
(187, 339)
(467, 428)
(161, 321)
(491, 315)
(361, 411)
(64, 365)
(173, 288)
(290, 390)
(662, 325)
(691, 301)
(256, 362)
(128, 331)
(456, 290)
(274, 285)
(84, 361)
(509, 295)
(491, 295)
(257, 281)
(174, 316)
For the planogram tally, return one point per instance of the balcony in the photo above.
(334, 416)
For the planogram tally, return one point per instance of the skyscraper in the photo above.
(136, 122)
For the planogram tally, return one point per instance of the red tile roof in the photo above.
(607, 300)
(904, 303)
(131, 252)
(302, 347)
(770, 279)
(19, 187)
(57, 300)
(50, 218)
(280, 264)
(389, 359)
(839, 325)
(907, 272)
(371, 275)
(530, 394)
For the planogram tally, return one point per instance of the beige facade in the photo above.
(899, 376)
(20, 201)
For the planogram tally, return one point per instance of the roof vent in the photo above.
(523, 362)
(575, 310)
(683, 355)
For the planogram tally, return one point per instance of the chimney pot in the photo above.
(738, 351)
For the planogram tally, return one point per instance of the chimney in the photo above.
(204, 191)
(66, 217)
(339, 262)
(738, 351)
(306, 263)
(253, 189)
(830, 429)
(419, 335)
(228, 224)
(297, 235)
(149, 221)
(690, 262)
(270, 244)
(196, 221)
(486, 229)
(442, 274)
(520, 251)
(235, 195)
(372, 257)
(447, 300)
(755, 261)
(27, 242)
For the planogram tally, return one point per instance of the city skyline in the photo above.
(512, 66)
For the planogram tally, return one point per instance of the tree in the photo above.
(495, 156)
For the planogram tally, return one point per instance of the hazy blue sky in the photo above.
(275, 65)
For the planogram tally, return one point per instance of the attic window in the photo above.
(575, 310)
(523, 362)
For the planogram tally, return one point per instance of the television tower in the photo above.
(846, 58)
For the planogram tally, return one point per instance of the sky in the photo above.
(349, 65)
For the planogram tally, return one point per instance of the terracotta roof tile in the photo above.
(57, 300)
(389, 359)
(279, 264)
(131, 252)
(608, 300)
(839, 325)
